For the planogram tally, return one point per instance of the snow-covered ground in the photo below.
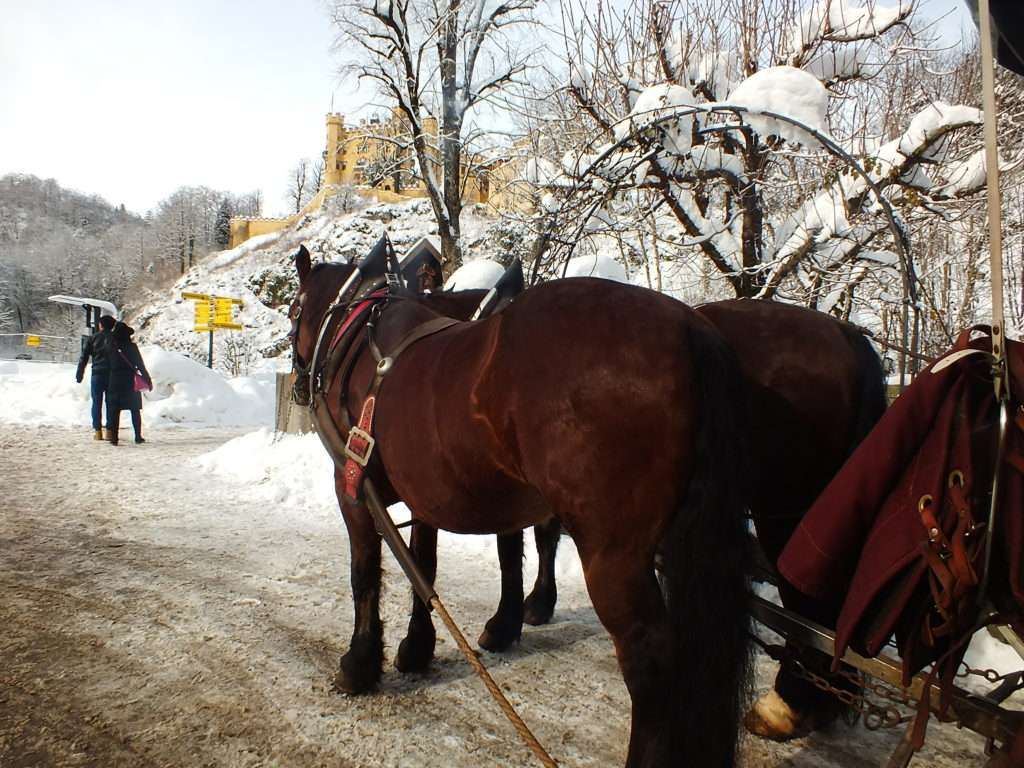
(186, 602)
(184, 393)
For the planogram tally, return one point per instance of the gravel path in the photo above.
(152, 618)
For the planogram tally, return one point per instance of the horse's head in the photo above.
(318, 287)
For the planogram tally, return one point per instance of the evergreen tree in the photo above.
(222, 227)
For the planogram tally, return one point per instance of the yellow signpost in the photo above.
(213, 313)
(33, 341)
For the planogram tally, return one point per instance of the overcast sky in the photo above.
(131, 100)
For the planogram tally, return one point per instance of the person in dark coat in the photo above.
(124, 359)
(95, 349)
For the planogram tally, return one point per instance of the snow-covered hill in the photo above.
(260, 271)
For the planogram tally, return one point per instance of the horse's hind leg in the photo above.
(506, 626)
(627, 598)
(540, 603)
(795, 706)
(360, 668)
(417, 648)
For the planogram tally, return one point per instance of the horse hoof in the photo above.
(414, 654)
(355, 678)
(496, 638)
(772, 718)
(537, 610)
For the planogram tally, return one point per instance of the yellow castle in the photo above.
(377, 161)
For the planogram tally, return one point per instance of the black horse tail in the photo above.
(871, 400)
(706, 569)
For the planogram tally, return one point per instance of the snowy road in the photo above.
(154, 615)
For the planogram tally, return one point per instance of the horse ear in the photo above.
(302, 263)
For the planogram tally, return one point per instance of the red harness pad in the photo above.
(359, 448)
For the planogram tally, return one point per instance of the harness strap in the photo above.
(951, 573)
(360, 443)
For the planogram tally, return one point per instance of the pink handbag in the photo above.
(140, 384)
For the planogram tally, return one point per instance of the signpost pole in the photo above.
(209, 356)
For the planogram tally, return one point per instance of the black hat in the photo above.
(123, 332)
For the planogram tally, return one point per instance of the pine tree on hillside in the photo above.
(222, 227)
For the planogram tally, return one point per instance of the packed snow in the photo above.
(787, 91)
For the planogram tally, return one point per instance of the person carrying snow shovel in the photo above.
(96, 350)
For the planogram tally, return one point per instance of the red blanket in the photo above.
(888, 532)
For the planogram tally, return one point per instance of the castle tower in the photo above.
(333, 153)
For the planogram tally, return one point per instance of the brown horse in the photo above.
(817, 388)
(615, 410)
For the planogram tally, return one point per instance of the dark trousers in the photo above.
(114, 422)
(99, 392)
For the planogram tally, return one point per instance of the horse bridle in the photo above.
(307, 374)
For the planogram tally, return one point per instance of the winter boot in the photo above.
(112, 436)
(139, 439)
(97, 434)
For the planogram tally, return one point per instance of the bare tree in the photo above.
(316, 176)
(640, 144)
(435, 61)
(300, 184)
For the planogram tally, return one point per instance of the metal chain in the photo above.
(991, 675)
(875, 716)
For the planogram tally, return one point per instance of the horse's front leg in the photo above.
(506, 626)
(417, 649)
(360, 669)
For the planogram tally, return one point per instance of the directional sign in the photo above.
(33, 341)
(214, 312)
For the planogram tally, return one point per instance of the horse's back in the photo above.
(579, 384)
(815, 386)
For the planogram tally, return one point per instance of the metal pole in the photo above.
(209, 356)
(995, 235)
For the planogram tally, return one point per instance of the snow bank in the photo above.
(43, 393)
(294, 471)
(986, 652)
(787, 91)
(185, 392)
